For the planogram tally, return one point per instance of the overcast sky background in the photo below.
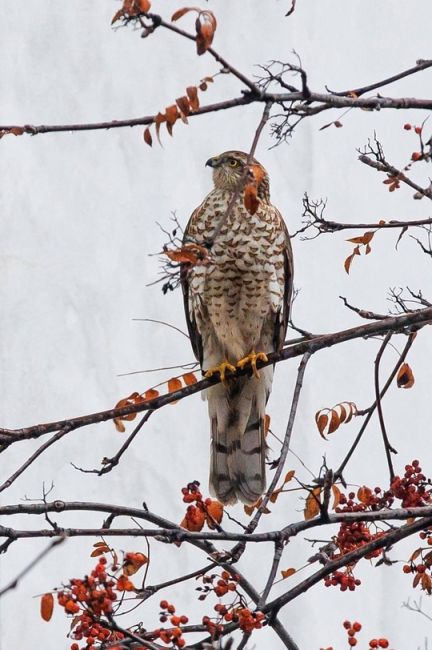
(78, 222)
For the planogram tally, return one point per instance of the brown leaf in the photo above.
(334, 421)
(274, 495)
(214, 512)
(349, 259)
(286, 573)
(158, 120)
(405, 377)
(416, 579)
(192, 93)
(415, 555)
(188, 254)
(171, 114)
(183, 104)
(251, 200)
(321, 419)
(312, 506)
(119, 425)
(148, 137)
(47, 607)
(133, 563)
(189, 378)
(118, 14)
(181, 12)
(205, 26)
(151, 393)
(336, 496)
(267, 422)
(289, 476)
(426, 582)
(338, 124)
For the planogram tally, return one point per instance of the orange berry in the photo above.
(383, 643)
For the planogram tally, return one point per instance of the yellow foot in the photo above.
(222, 369)
(252, 358)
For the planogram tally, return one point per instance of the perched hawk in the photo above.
(237, 308)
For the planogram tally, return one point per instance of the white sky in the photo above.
(78, 221)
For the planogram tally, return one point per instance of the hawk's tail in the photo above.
(238, 448)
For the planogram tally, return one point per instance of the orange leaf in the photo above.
(205, 26)
(181, 12)
(183, 104)
(312, 506)
(148, 137)
(189, 378)
(174, 384)
(151, 393)
(274, 495)
(143, 5)
(336, 496)
(171, 114)
(192, 93)
(288, 572)
(133, 563)
(363, 239)
(405, 377)
(290, 475)
(251, 200)
(47, 607)
(214, 512)
(158, 120)
(119, 425)
(188, 254)
(117, 16)
(267, 422)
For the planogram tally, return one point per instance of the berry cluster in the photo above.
(87, 600)
(221, 585)
(204, 511)
(413, 488)
(174, 634)
(422, 154)
(345, 580)
(352, 631)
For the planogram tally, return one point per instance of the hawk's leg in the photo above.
(222, 369)
(252, 359)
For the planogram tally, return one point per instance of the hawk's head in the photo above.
(229, 168)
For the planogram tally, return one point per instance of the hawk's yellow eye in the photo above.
(233, 162)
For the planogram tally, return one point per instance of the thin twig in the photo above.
(387, 446)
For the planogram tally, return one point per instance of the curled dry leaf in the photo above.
(148, 137)
(192, 93)
(336, 496)
(313, 502)
(249, 509)
(189, 378)
(328, 420)
(181, 12)
(133, 563)
(349, 259)
(192, 254)
(250, 199)
(363, 239)
(205, 26)
(214, 512)
(47, 607)
(286, 573)
(124, 584)
(405, 376)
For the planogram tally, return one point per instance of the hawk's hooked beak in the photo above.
(212, 162)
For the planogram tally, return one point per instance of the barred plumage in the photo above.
(236, 304)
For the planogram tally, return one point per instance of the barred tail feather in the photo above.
(238, 448)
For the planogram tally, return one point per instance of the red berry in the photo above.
(347, 625)
(407, 127)
(163, 604)
(383, 643)
(418, 130)
(416, 155)
(357, 626)
(352, 641)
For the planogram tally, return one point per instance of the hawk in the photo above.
(237, 306)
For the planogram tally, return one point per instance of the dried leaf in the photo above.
(415, 555)
(194, 519)
(47, 607)
(321, 419)
(118, 14)
(148, 137)
(133, 563)
(426, 582)
(188, 254)
(174, 384)
(289, 476)
(181, 12)
(274, 495)
(288, 572)
(183, 104)
(416, 579)
(267, 422)
(363, 239)
(16, 130)
(349, 259)
(336, 496)
(192, 93)
(405, 377)
(205, 26)
(214, 512)
(334, 421)
(119, 425)
(151, 393)
(251, 200)
(312, 506)
(189, 378)
(171, 114)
